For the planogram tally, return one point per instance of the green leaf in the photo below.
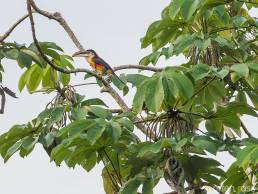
(78, 113)
(51, 45)
(253, 66)
(116, 131)
(24, 60)
(233, 122)
(183, 83)
(154, 57)
(49, 77)
(243, 157)
(136, 79)
(183, 43)
(181, 144)
(12, 54)
(29, 142)
(65, 61)
(214, 126)
(32, 54)
(213, 3)
(144, 61)
(49, 138)
(91, 160)
(59, 153)
(189, 7)
(65, 79)
(75, 127)
(131, 186)
(148, 186)
(93, 101)
(51, 116)
(23, 80)
(149, 148)
(139, 97)
(241, 69)
(12, 150)
(210, 179)
(51, 53)
(202, 44)
(154, 94)
(94, 133)
(170, 91)
(126, 123)
(175, 7)
(238, 21)
(205, 143)
(199, 71)
(99, 112)
(56, 115)
(28, 145)
(222, 73)
(34, 78)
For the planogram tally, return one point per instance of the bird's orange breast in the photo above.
(99, 68)
(91, 62)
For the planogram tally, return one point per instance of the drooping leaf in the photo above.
(154, 94)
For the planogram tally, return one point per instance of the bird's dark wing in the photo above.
(100, 61)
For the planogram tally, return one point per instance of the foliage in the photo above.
(216, 87)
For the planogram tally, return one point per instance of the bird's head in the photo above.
(85, 53)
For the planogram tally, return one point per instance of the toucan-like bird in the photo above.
(97, 63)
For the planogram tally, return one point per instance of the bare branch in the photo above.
(84, 84)
(154, 69)
(62, 22)
(246, 130)
(10, 30)
(54, 66)
(58, 17)
(2, 101)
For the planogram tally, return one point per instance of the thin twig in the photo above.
(198, 91)
(110, 176)
(54, 66)
(58, 17)
(112, 164)
(10, 30)
(2, 94)
(195, 114)
(149, 68)
(85, 84)
(200, 186)
(246, 130)
(62, 22)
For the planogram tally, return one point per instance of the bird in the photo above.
(97, 63)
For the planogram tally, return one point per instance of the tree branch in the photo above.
(62, 22)
(58, 17)
(10, 30)
(154, 69)
(246, 130)
(200, 186)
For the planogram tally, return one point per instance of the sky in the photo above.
(113, 28)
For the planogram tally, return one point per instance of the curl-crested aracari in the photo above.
(97, 63)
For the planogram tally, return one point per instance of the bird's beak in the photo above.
(81, 53)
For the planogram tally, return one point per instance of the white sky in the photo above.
(113, 28)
